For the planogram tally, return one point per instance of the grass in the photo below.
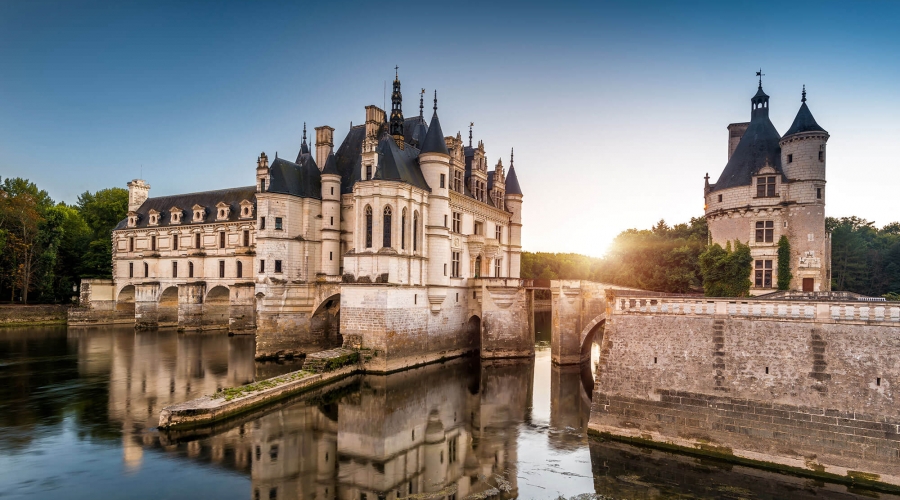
(230, 393)
(342, 361)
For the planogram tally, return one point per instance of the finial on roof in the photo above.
(396, 72)
(760, 74)
(803, 99)
(304, 131)
(421, 102)
(435, 100)
(512, 152)
(471, 124)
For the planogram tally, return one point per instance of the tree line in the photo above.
(678, 259)
(47, 247)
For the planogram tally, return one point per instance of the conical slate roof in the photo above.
(804, 122)
(512, 182)
(330, 165)
(399, 165)
(434, 138)
(303, 180)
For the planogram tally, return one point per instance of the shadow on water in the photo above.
(78, 410)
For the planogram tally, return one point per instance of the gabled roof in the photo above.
(399, 165)
(184, 202)
(303, 180)
(512, 182)
(434, 139)
(804, 122)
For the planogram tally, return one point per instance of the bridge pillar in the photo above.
(146, 306)
(190, 305)
(567, 313)
(242, 313)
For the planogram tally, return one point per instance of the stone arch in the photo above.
(168, 307)
(473, 331)
(125, 299)
(325, 322)
(589, 335)
(217, 307)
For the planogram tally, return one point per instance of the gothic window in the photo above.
(403, 230)
(497, 268)
(457, 222)
(190, 269)
(386, 227)
(763, 274)
(765, 187)
(221, 268)
(765, 231)
(174, 269)
(454, 271)
(368, 226)
(240, 269)
(415, 234)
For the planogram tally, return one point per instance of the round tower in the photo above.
(434, 160)
(331, 217)
(803, 148)
(513, 201)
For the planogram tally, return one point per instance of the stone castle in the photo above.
(774, 185)
(400, 231)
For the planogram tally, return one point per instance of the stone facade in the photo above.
(761, 197)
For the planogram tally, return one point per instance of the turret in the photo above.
(138, 192)
(324, 144)
(803, 148)
(304, 147)
(396, 125)
(331, 217)
(434, 160)
(514, 205)
(262, 173)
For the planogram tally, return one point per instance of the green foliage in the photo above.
(784, 263)
(726, 272)
(101, 212)
(864, 259)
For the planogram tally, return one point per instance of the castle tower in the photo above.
(138, 192)
(262, 173)
(396, 126)
(324, 144)
(514, 205)
(803, 159)
(331, 217)
(434, 159)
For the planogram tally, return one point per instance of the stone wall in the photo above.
(20, 315)
(507, 323)
(814, 394)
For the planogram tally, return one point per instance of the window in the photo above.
(451, 449)
(330, 255)
(240, 269)
(175, 242)
(262, 184)
(190, 269)
(262, 265)
(818, 193)
(368, 172)
(277, 266)
(498, 267)
(246, 238)
(720, 198)
(332, 221)
(131, 269)
(445, 269)
(221, 268)
(153, 243)
(415, 231)
(278, 225)
(174, 269)
(765, 187)
(443, 180)
(403, 230)
(368, 226)
(478, 228)
(146, 270)
(498, 232)
(131, 244)
(386, 228)
(221, 239)
(821, 155)
(457, 181)
(197, 240)
(332, 190)
(262, 222)
(790, 159)
(765, 231)
(763, 274)
(457, 222)
(445, 220)
(455, 268)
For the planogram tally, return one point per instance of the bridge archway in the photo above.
(473, 331)
(592, 333)
(168, 307)
(216, 307)
(125, 299)
(325, 322)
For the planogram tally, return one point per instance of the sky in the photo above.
(616, 110)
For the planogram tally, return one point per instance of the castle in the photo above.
(399, 231)
(774, 185)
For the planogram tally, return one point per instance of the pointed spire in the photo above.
(471, 124)
(803, 99)
(512, 152)
(421, 103)
(435, 101)
(304, 147)
(330, 165)
(434, 139)
(804, 121)
(396, 126)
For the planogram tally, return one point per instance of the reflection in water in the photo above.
(78, 410)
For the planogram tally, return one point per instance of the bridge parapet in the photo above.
(822, 311)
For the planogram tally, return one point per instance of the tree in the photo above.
(101, 211)
(726, 273)
(784, 263)
(27, 233)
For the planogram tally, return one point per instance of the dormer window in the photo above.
(132, 219)
(246, 209)
(175, 215)
(223, 210)
(765, 187)
(154, 218)
(199, 213)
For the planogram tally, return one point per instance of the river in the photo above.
(78, 409)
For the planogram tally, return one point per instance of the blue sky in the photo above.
(616, 110)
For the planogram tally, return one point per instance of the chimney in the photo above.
(324, 144)
(375, 117)
(735, 132)
(138, 192)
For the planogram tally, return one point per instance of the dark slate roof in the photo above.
(490, 186)
(414, 130)
(434, 139)
(758, 148)
(399, 165)
(331, 165)
(303, 180)
(209, 199)
(804, 122)
(512, 182)
(349, 158)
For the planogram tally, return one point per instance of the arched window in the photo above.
(368, 226)
(146, 270)
(240, 269)
(386, 227)
(403, 230)
(190, 269)
(415, 234)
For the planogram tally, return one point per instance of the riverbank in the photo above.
(32, 315)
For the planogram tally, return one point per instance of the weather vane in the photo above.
(760, 74)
